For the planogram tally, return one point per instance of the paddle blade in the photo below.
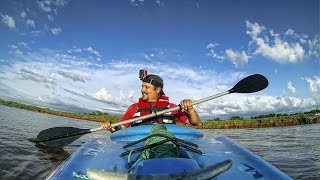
(250, 84)
(59, 136)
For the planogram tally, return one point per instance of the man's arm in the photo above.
(193, 116)
(187, 114)
(128, 115)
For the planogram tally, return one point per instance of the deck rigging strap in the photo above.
(167, 149)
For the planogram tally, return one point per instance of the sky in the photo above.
(85, 56)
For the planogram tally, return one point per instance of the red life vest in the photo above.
(145, 108)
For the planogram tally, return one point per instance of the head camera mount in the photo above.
(142, 74)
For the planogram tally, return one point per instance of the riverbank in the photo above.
(290, 120)
(94, 116)
(271, 120)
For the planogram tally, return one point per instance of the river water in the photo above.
(294, 150)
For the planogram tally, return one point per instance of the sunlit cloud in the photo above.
(23, 14)
(291, 88)
(277, 49)
(51, 5)
(270, 44)
(112, 87)
(50, 17)
(211, 45)
(8, 21)
(219, 56)
(16, 53)
(237, 58)
(79, 76)
(30, 23)
(314, 86)
(56, 31)
(24, 45)
(314, 45)
(81, 51)
(91, 50)
(136, 2)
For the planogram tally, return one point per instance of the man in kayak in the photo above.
(153, 99)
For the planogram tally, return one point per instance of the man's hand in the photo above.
(193, 117)
(107, 125)
(186, 105)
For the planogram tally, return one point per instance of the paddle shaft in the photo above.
(154, 114)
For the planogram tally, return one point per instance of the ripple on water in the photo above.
(294, 150)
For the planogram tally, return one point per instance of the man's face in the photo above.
(149, 92)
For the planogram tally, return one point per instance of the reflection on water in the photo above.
(20, 158)
(54, 154)
(294, 150)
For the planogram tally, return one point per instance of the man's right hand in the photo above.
(107, 125)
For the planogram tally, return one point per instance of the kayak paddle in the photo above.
(61, 136)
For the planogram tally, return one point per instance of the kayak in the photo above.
(198, 158)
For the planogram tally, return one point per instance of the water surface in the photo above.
(294, 150)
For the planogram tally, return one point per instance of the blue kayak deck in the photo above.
(101, 154)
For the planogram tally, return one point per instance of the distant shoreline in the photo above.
(93, 116)
(271, 120)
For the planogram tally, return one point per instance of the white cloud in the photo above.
(103, 94)
(237, 58)
(30, 23)
(136, 2)
(289, 32)
(74, 49)
(85, 53)
(35, 33)
(212, 52)
(15, 49)
(9, 21)
(50, 17)
(20, 44)
(211, 45)
(40, 99)
(51, 5)
(112, 87)
(91, 50)
(32, 74)
(314, 87)
(56, 31)
(254, 29)
(115, 85)
(314, 45)
(11, 46)
(279, 51)
(291, 88)
(214, 55)
(74, 76)
(253, 105)
(23, 14)
(45, 5)
(24, 45)
(16, 53)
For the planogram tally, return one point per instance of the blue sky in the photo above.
(86, 55)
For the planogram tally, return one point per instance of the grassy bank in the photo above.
(94, 116)
(271, 120)
(289, 120)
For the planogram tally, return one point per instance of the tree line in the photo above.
(93, 116)
(269, 120)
